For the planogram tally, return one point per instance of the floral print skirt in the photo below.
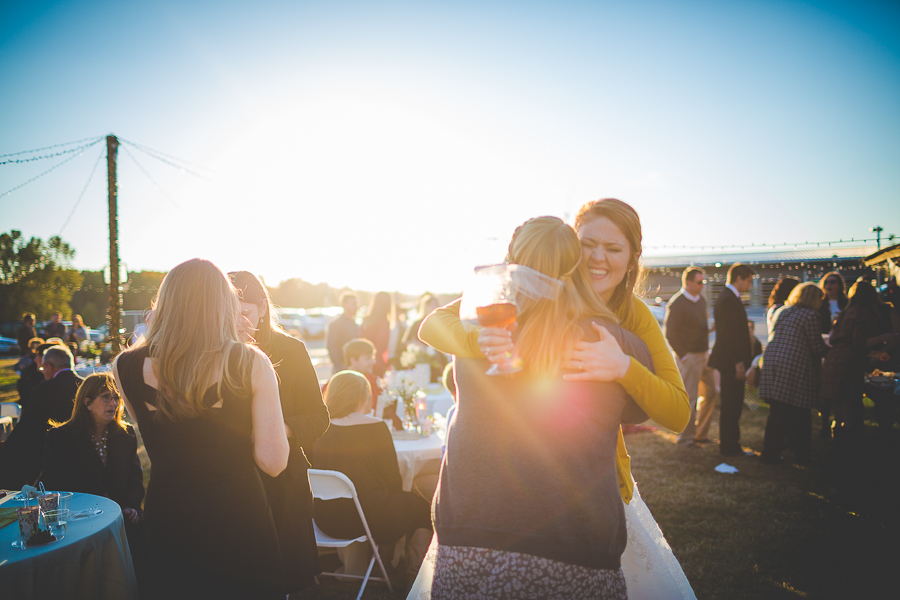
(468, 573)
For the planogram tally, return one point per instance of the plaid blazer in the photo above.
(792, 362)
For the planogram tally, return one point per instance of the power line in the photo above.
(159, 187)
(57, 165)
(81, 195)
(159, 157)
(92, 139)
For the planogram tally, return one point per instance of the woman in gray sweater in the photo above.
(528, 504)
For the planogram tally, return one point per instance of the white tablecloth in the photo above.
(92, 560)
(413, 454)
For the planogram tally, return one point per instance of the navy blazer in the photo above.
(732, 343)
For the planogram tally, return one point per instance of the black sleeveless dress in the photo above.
(210, 532)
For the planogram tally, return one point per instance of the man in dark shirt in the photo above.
(55, 328)
(341, 330)
(688, 334)
(25, 333)
(22, 454)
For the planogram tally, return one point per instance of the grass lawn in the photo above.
(828, 530)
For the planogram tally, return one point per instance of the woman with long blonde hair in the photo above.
(609, 231)
(208, 410)
(528, 491)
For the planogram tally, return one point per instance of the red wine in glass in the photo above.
(500, 315)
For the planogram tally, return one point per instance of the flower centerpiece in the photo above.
(404, 392)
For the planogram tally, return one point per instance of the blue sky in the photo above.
(395, 145)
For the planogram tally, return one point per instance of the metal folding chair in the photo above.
(329, 485)
(10, 409)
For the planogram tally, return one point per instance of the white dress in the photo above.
(651, 570)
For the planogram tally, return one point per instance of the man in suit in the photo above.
(731, 355)
(688, 334)
(22, 454)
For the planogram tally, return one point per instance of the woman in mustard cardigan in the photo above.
(610, 235)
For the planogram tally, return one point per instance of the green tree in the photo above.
(35, 276)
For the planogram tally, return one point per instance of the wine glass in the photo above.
(492, 298)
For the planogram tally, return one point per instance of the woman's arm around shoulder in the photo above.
(270, 445)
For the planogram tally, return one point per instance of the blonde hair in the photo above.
(806, 295)
(549, 329)
(627, 220)
(347, 392)
(193, 339)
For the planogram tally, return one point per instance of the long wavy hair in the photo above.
(627, 220)
(549, 329)
(193, 339)
(92, 387)
(381, 308)
(782, 290)
(251, 289)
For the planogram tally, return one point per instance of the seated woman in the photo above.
(360, 446)
(95, 452)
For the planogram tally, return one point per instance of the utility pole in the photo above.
(115, 293)
(877, 229)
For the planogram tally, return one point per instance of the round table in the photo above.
(413, 454)
(91, 561)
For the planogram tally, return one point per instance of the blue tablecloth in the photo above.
(92, 560)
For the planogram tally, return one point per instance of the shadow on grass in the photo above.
(827, 530)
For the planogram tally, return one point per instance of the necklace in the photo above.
(100, 446)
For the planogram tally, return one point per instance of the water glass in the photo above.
(56, 520)
(64, 499)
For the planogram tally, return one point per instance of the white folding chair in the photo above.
(329, 485)
(10, 409)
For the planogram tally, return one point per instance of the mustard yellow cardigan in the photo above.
(660, 394)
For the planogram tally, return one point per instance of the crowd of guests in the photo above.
(534, 493)
(821, 343)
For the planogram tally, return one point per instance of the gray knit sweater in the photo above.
(530, 464)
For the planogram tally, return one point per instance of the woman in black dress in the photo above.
(208, 410)
(95, 452)
(306, 419)
(843, 373)
(360, 446)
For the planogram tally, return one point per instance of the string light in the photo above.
(81, 195)
(153, 181)
(56, 166)
(159, 156)
(92, 139)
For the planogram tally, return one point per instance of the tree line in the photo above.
(37, 277)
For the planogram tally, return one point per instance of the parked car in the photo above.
(658, 310)
(8, 346)
(307, 323)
